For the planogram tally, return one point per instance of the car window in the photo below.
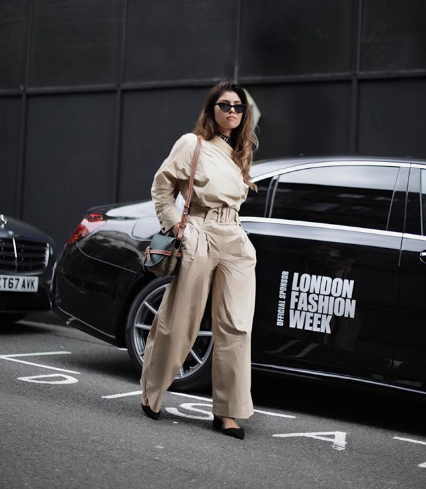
(258, 202)
(350, 195)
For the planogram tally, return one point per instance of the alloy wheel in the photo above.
(199, 353)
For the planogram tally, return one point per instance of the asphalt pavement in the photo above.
(71, 418)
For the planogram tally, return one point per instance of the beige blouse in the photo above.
(218, 180)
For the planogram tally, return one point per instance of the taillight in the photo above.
(90, 223)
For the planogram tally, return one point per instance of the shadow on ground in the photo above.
(11, 328)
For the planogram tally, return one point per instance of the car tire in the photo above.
(196, 370)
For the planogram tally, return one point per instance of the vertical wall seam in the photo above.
(359, 36)
(358, 71)
(238, 40)
(119, 109)
(20, 174)
(354, 116)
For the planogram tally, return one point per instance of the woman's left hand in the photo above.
(175, 229)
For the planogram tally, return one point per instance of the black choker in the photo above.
(227, 139)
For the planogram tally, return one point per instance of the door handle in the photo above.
(423, 256)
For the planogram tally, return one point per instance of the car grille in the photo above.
(20, 255)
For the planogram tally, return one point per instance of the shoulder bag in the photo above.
(162, 256)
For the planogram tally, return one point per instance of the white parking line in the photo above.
(12, 358)
(15, 355)
(138, 393)
(274, 414)
(116, 396)
(191, 396)
(410, 440)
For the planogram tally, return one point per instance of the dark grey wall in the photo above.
(93, 94)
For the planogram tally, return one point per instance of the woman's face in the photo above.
(226, 121)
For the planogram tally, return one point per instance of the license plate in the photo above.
(12, 283)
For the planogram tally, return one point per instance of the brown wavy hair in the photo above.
(243, 136)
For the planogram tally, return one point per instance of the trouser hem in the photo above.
(239, 412)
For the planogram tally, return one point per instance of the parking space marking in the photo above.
(274, 414)
(410, 440)
(15, 355)
(337, 438)
(13, 358)
(191, 406)
(138, 393)
(268, 413)
(181, 394)
(125, 394)
(66, 379)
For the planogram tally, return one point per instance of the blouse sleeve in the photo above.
(176, 167)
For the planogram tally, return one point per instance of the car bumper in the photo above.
(28, 302)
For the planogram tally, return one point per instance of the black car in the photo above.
(26, 260)
(341, 273)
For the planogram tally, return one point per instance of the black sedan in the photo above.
(341, 273)
(26, 260)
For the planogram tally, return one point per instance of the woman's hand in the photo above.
(175, 229)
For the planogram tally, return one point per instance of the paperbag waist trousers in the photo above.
(217, 254)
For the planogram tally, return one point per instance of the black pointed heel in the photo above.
(150, 413)
(234, 432)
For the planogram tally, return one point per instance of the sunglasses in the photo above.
(225, 107)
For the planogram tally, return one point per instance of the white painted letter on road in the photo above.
(66, 379)
(337, 438)
(190, 407)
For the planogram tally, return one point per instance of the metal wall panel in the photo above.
(10, 121)
(280, 38)
(329, 76)
(175, 40)
(68, 159)
(13, 42)
(76, 42)
(393, 35)
(152, 121)
(391, 118)
(305, 119)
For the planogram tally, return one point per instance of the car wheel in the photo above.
(195, 373)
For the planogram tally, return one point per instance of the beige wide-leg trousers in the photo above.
(216, 253)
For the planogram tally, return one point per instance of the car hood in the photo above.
(22, 230)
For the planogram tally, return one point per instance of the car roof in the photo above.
(258, 169)
(263, 167)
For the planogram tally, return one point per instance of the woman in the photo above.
(216, 253)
